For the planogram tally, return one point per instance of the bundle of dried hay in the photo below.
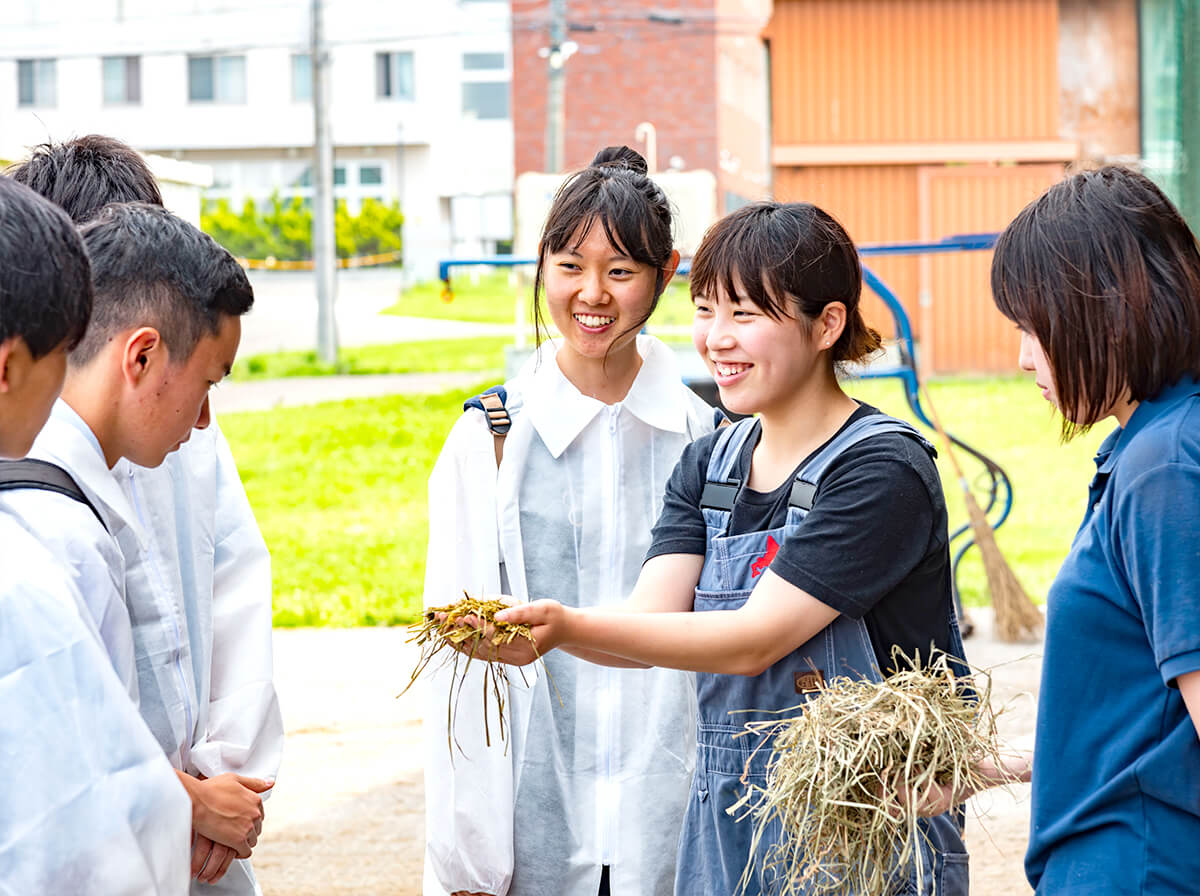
(460, 634)
(841, 774)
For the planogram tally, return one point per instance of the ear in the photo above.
(13, 358)
(143, 352)
(828, 326)
(669, 269)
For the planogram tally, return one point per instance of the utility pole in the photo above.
(555, 113)
(324, 243)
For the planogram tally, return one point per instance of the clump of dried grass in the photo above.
(839, 774)
(460, 634)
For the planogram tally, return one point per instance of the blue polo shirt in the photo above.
(1116, 775)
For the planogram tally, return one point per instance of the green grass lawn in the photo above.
(339, 490)
(483, 353)
(498, 296)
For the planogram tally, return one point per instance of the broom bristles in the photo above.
(1017, 616)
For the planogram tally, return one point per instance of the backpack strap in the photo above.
(43, 475)
(492, 403)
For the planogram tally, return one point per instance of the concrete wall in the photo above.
(1099, 79)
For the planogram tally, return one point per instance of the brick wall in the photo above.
(628, 70)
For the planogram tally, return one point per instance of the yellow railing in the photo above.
(270, 263)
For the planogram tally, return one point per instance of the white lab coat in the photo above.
(90, 552)
(204, 638)
(90, 804)
(604, 778)
(192, 577)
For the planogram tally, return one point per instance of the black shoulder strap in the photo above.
(40, 474)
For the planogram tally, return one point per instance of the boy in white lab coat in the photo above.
(165, 328)
(90, 803)
(210, 607)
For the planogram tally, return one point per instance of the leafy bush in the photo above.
(282, 228)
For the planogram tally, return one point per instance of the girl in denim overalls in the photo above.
(793, 547)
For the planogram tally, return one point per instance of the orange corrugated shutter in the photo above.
(884, 71)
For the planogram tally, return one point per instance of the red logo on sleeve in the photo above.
(765, 560)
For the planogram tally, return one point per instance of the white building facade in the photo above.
(419, 90)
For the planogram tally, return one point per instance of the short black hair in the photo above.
(791, 259)
(1103, 270)
(150, 268)
(83, 175)
(45, 278)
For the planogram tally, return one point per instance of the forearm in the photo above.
(729, 642)
(604, 659)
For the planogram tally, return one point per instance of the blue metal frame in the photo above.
(995, 480)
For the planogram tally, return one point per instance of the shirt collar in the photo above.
(68, 441)
(1143, 414)
(560, 412)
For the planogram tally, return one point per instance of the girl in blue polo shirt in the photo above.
(1102, 277)
(797, 545)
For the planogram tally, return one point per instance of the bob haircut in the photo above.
(1105, 273)
(617, 191)
(791, 260)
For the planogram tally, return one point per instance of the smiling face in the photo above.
(598, 298)
(175, 397)
(761, 364)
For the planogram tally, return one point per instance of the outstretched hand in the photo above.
(547, 620)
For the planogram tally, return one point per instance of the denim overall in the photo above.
(714, 847)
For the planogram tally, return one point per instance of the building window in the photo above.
(217, 79)
(394, 76)
(485, 99)
(483, 62)
(301, 78)
(122, 80)
(370, 175)
(339, 175)
(37, 82)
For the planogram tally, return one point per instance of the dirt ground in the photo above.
(347, 814)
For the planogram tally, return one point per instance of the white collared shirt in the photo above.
(90, 803)
(602, 779)
(88, 550)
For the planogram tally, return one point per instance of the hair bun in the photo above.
(621, 157)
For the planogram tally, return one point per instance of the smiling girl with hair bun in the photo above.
(589, 793)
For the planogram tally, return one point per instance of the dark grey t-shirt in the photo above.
(874, 546)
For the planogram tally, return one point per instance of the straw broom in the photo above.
(1017, 616)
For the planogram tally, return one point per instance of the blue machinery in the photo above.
(994, 481)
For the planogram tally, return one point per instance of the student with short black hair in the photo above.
(90, 803)
(1101, 275)
(165, 328)
(204, 543)
(46, 296)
